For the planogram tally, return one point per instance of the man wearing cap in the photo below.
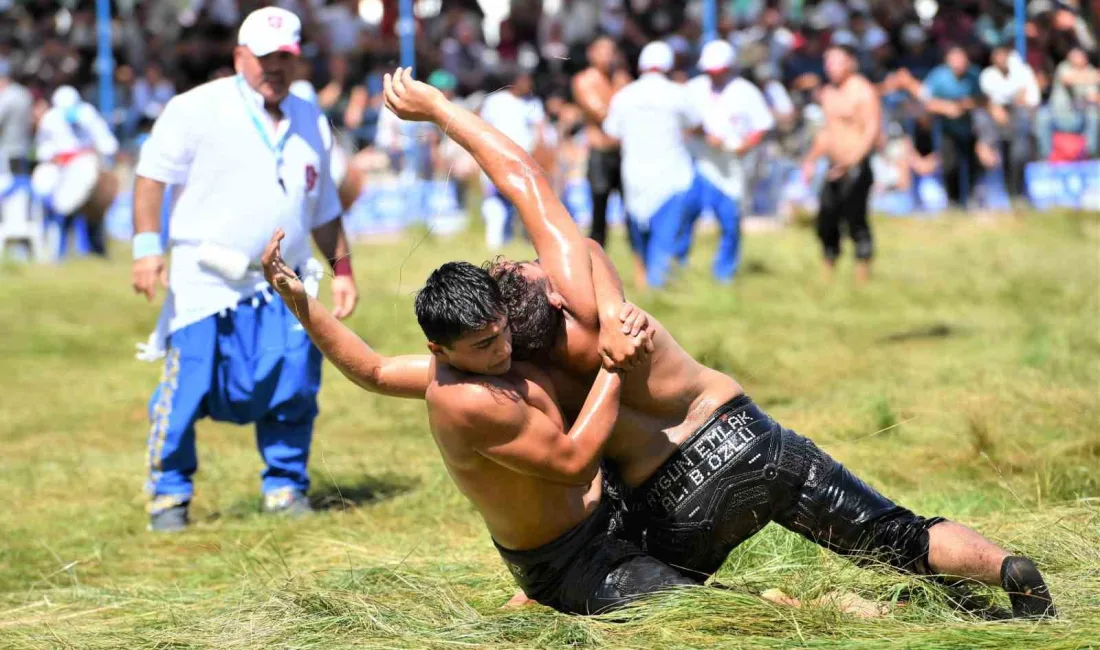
(649, 118)
(245, 157)
(735, 119)
(71, 143)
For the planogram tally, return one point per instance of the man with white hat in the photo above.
(649, 118)
(245, 157)
(735, 119)
(70, 144)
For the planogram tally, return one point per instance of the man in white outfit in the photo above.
(71, 144)
(735, 120)
(246, 157)
(650, 118)
(519, 115)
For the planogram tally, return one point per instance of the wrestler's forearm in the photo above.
(332, 241)
(391, 376)
(593, 426)
(554, 234)
(511, 169)
(148, 199)
(607, 285)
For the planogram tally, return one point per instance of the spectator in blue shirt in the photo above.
(952, 92)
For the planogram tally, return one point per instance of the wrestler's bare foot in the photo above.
(517, 601)
(863, 272)
(829, 270)
(848, 603)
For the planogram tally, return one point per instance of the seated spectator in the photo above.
(1074, 105)
(1012, 92)
(952, 92)
(918, 57)
(462, 57)
(151, 92)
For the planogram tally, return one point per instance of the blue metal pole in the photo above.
(105, 62)
(710, 20)
(406, 31)
(1021, 40)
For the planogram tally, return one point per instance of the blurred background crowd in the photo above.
(1001, 109)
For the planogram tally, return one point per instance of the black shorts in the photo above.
(604, 171)
(741, 470)
(590, 569)
(844, 205)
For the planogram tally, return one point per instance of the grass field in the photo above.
(965, 381)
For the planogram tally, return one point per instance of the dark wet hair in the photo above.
(534, 322)
(457, 299)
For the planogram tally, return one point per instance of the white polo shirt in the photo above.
(732, 114)
(68, 130)
(1001, 88)
(649, 117)
(519, 118)
(208, 142)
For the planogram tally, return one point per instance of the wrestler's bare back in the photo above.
(521, 511)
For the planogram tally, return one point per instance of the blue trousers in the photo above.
(656, 241)
(702, 195)
(254, 364)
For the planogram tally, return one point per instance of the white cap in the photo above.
(716, 55)
(271, 29)
(656, 56)
(844, 38)
(65, 97)
(875, 38)
(912, 34)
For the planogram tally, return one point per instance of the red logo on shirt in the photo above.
(311, 177)
(275, 22)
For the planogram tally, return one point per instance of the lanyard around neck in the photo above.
(276, 147)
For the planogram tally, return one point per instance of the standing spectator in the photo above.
(1012, 92)
(649, 117)
(1074, 104)
(735, 120)
(16, 103)
(518, 115)
(250, 159)
(952, 92)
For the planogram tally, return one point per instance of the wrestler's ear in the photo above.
(555, 299)
(438, 351)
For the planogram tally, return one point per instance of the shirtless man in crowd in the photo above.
(853, 120)
(593, 89)
(701, 466)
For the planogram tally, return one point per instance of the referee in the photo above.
(245, 157)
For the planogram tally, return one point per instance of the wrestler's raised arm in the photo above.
(404, 376)
(556, 238)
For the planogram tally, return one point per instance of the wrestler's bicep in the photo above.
(537, 447)
(406, 376)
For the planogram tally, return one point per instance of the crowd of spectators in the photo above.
(956, 94)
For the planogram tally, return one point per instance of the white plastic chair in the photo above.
(21, 220)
